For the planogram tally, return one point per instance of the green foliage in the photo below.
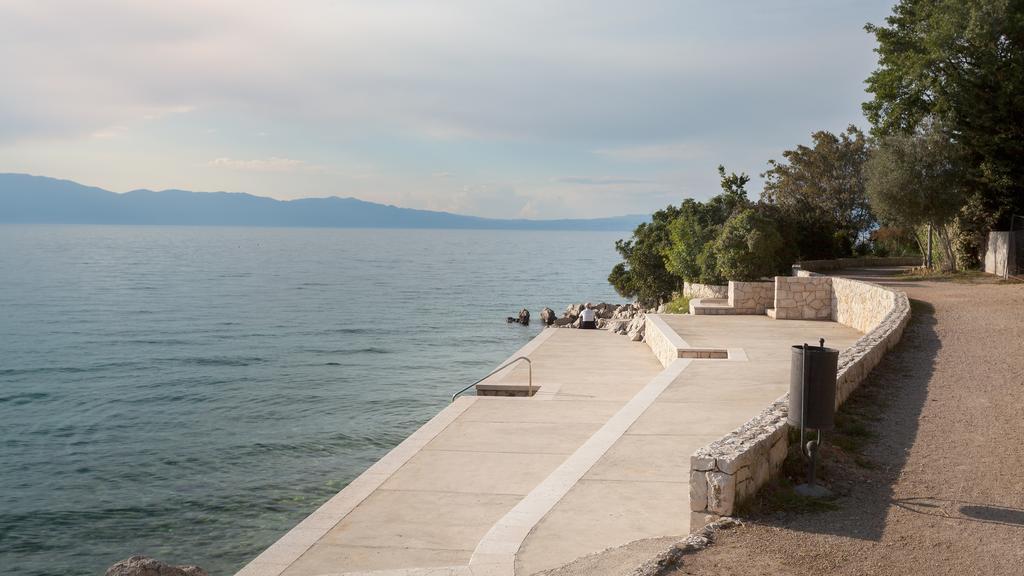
(691, 254)
(750, 247)
(678, 305)
(820, 193)
(961, 62)
(726, 238)
(642, 274)
(917, 179)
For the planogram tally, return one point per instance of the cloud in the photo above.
(602, 181)
(661, 152)
(512, 94)
(272, 164)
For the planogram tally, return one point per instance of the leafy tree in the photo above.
(917, 179)
(961, 62)
(820, 192)
(642, 274)
(691, 255)
(750, 247)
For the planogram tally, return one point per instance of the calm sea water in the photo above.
(192, 393)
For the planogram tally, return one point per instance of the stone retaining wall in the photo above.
(803, 298)
(733, 468)
(695, 290)
(867, 261)
(751, 297)
(662, 340)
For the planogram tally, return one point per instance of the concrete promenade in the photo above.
(597, 459)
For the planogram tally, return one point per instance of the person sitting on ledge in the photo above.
(588, 318)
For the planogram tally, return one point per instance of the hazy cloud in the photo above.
(508, 95)
(272, 164)
(602, 181)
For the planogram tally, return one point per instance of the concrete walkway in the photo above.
(598, 458)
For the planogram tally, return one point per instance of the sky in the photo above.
(522, 108)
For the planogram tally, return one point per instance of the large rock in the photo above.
(548, 316)
(635, 330)
(606, 311)
(143, 566)
(524, 317)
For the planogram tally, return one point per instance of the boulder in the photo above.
(605, 311)
(524, 317)
(547, 316)
(616, 326)
(143, 566)
(635, 329)
(564, 322)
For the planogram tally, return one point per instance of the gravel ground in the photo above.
(942, 491)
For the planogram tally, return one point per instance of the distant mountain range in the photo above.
(29, 199)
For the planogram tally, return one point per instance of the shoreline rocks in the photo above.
(143, 566)
(624, 319)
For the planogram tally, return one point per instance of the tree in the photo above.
(820, 192)
(961, 62)
(642, 274)
(750, 247)
(917, 179)
(690, 254)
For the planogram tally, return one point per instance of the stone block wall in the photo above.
(695, 290)
(860, 305)
(751, 297)
(662, 340)
(803, 298)
(734, 467)
(840, 263)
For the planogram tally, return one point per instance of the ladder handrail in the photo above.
(529, 390)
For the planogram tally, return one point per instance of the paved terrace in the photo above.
(598, 458)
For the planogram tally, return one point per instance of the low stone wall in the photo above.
(733, 468)
(867, 261)
(803, 298)
(695, 290)
(751, 297)
(742, 298)
(662, 340)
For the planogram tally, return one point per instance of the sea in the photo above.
(191, 393)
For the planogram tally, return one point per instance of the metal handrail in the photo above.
(529, 390)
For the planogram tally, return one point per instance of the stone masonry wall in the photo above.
(694, 290)
(803, 298)
(840, 263)
(661, 339)
(733, 468)
(751, 297)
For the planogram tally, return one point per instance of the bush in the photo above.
(750, 247)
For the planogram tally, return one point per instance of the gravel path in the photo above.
(945, 491)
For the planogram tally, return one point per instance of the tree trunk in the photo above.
(949, 265)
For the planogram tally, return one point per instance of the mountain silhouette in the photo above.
(27, 199)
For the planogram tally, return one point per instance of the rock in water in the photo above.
(524, 317)
(547, 316)
(143, 566)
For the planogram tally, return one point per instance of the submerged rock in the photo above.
(524, 317)
(143, 566)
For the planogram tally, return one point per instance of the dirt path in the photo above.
(941, 489)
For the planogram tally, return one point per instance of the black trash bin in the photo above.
(812, 387)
